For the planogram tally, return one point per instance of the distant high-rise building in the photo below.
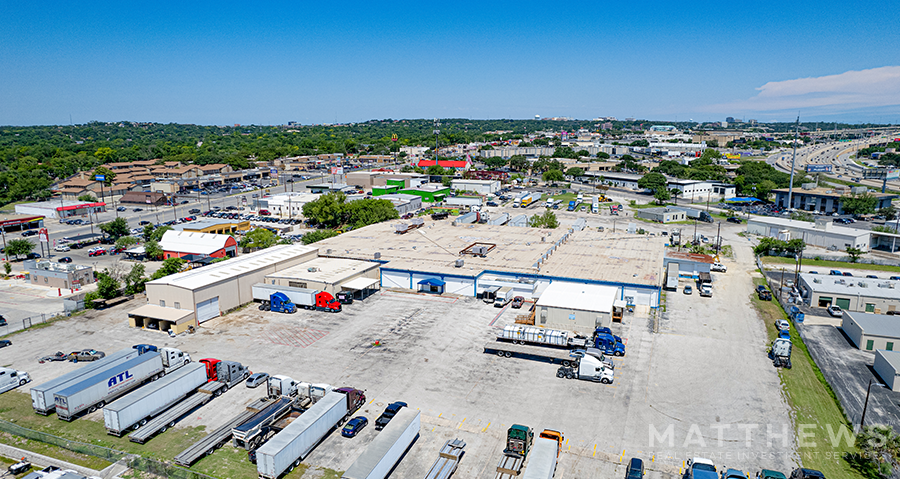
(752, 122)
(730, 119)
(606, 126)
(629, 119)
(537, 117)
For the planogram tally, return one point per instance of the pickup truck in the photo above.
(718, 267)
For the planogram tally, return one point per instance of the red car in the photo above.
(97, 252)
(517, 302)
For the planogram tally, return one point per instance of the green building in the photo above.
(430, 193)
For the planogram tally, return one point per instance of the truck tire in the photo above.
(560, 374)
(618, 353)
(566, 363)
(22, 382)
(507, 354)
(605, 381)
(101, 404)
(262, 307)
(92, 409)
(163, 429)
(500, 353)
(570, 375)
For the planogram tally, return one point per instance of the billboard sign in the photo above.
(732, 156)
(818, 168)
(43, 235)
(893, 175)
(337, 170)
(100, 177)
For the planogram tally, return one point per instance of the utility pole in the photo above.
(781, 284)
(718, 239)
(793, 159)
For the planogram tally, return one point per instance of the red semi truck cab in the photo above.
(326, 302)
(211, 369)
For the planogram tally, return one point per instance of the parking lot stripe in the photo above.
(484, 429)
(498, 315)
(461, 423)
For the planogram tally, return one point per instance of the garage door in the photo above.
(843, 303)
(208, 309)
(395, 279)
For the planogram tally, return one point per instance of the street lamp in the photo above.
(862, 421)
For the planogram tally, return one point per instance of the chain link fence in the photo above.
(134, 461)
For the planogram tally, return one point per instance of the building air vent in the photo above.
(312, 269)
(808, 186)
(377, 255)
(459, 263)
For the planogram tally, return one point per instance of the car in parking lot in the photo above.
(86, 355)
(635, 469)
(735, 219)
(846, 273)
(64, 259)
(5, 342)
(517, 302)
(389, 412)
(802, 473)
(96, 252)
(62, 248)
(143, 223)
(353, 426)
(835, 272)
(256, 379)
(688, 289)
(29, 232)
(782, 325)
(194, 211)
(835, 311)
(33, 256)
(136, 210)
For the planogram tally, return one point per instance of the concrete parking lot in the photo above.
(703, 377)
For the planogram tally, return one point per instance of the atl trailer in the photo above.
(168, 418)
(42, 394)
(211, 441)
(385, 450)
(448, 459)
(290, 446)
(135, 408)
(106, 384)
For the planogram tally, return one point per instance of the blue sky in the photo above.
(321, 62)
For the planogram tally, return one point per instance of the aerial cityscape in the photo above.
(492, 241)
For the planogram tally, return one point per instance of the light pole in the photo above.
(718, 239)
(862, 421)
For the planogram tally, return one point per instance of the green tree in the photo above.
(674, 193)
(582, 153)
(87, 198)
(518, 162)
(368, 212)
(640, 143)
(327, 210)
(318, 235)
(662, 195)
(495, 162)
(107, 174)
(879, 451)
(436, 170)
(259, 238)
(654, 182)
(764, 189)
(564, 152)
(135, 280)
(889, 213)
(854, 254)
(115, 228)
(7, 268)
(152, 249)
(545, 220)
(862, 204)
(126, 242)
(575, 172)
(602, 155)
(107, 286)
(148, 232)
(169, 266)
(158, 233)
(19, 247)
(552, 176)
(105, 154)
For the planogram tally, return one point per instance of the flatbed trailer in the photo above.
(448, 459)
(168, 419)
(218, 437)
(508, 350)
(509, 467)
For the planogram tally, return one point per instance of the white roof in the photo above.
(584, 297)
(192, 242)
(360, 283)
(833, 229)
(325, 270)
(853, 286)
(234, 267)
(892, 358)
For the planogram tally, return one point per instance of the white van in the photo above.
(11, 379)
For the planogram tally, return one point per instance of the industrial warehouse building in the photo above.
(59, 275)
(329, 274)
(662, 215)
(823, 233)
(482, 187)
(468, 259)
(870, 332)
(887, 365)
(176, 244)
(690, 265)
(403, 203)
(577, 307)
(849, 293)
(826, 200)
(214, 226)
(60, 208)
(192, 297)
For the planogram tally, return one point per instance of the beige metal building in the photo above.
(212, 290)
(329, 274)
(576, 307)
(870, 332)
(887, 365)
(59, 275)
(868, 295)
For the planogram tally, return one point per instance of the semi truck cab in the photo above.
(281, 386)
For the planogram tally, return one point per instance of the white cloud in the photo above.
(877, 87)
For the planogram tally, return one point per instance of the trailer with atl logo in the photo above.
(106, 384)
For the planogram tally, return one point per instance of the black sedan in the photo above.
(64, 259)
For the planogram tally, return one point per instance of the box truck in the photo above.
(134, 409)
(385, 450)
(544, 455)
(42, 394)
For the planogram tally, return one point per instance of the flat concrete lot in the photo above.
(707, 368)
(848, 370)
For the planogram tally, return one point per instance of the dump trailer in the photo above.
(671, 277)
(544, 456)
(167, 419)
(542, 336)
(229, 373)
(518, 444)
(301, 297)
(290, 446)
(42, 394)
(508, 350)
(385, 450)
(136, 408)
(675, 237)
(781, 353)
(448, 459)
(105, 385)
(253, 432)
(216, 438)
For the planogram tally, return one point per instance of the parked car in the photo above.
(194, 211)
(58, 356)
(835, 272)
(33, 256)
(783, 325)
(136, 210)
(801, 473)
(688, 289)
(517, 302)
(635, 469)
(62, 248)
(121, 208)
(5, 342)
(835, 311)
(846, 273)
(256, 379)
(145, 222)
(86, 355)
(388, 414)
(871, 276)
(733, 474)
(64, 259)
(735, 219)
(29, 233)
(96, 252)
(353, 426)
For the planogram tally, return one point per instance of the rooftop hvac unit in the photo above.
(377, 255)
(863, 284)
(858, 190)
(328, 251)
(817, 281)
(808, 186)
(480, 250)
(312, 269)
(459, 263)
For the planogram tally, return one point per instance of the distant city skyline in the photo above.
(228, 63)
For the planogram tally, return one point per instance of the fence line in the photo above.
(134, 461)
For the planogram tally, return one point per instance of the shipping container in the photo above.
(106, 384)
(135, 408)
(42, 394)
(385, 450)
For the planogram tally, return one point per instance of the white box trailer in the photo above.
(542, 459)
(302, 297)
(137, 407)
(42, 394)
(106, 384)
(290, 446)
(382, 454)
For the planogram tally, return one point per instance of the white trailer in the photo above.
(385, 450)
(302, 297)
(42, 394)
(290, 446)
(542, 459)
(106, 384)
(542, 336)
(135, 408)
